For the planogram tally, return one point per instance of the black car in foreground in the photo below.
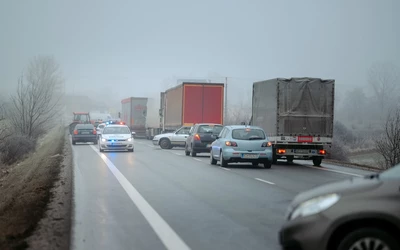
(84, 133)
(356, 214)
(200, 138)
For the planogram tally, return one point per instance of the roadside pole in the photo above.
(226, 100)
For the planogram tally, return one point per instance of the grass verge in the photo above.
(26, 190)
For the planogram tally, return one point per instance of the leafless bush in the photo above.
(15, 147)
(388, 145)
(343, 137)
(37, 101)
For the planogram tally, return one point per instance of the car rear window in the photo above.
(211, 129)
(116, 130)
(248, 134)
(101, 126)
(84, 126)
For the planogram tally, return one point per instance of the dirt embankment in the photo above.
(35, 201)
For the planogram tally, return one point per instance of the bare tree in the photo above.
(389, 143)
(4, 128)
(37, 101)
(237, 114)
(384, 79)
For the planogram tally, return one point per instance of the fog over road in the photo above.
(162, 199)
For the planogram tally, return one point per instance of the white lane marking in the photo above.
(197, 159)
(258, 179)
(166, 234)
(335, 171)
(225, 168)
(176, 153)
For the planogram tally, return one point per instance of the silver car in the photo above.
(116, 137)
(99, 129)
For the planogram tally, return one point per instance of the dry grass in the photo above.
(25, 191)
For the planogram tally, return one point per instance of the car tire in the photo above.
(222, 161)
(317, 161)
(255, 164)
(95, 142)
(165, 144)
(193, 153)
(187, 152)
(73, 143)
(212, 160)
(131, 150)
(267, 164)
(368, 234)
(101, 150)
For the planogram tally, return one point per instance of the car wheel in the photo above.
(368, 238)
(101, 150)
(165, 144)
(268, 164)
(222, 161)
(254, 164)
(192, 153)
(73, 143)
(187, 152)
(212, 160)
(131, 150)
(95, 142)
(317, 161)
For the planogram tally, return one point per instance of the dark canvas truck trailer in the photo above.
(191, 103)
(297, 114)
(134, 113)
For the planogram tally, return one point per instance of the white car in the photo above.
(116, 137)
(170, 140)
(99, 129)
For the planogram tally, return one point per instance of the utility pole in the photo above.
(226, 100)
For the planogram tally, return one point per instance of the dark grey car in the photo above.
(200, 138)
(84, 133)
(356, 214)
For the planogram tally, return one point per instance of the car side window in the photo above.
(193, 129)
(183, 131)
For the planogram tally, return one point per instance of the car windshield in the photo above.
(84, 126)
(248, 134)
(116, 130)
(393, 173)
(211, 129)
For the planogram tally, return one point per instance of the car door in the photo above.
(217, 144)
(180, 136)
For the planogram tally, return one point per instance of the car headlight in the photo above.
(314, 206)
(129, 139)
(103, 140)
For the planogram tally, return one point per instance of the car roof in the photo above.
(200, 124)
(243, 126)
(116, 125)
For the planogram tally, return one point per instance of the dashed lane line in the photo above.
(167, 235)
(332, 170)
(268, 182)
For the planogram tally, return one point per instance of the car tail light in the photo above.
(75, 132)
(266, 144)
(231, 144)
(94, 131)
(197, 137)
(281, 151)
(322, 152)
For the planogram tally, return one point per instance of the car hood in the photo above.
(116, 136)
(163, 135)
(343, 188)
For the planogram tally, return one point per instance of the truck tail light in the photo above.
(281, 151)
(231, 144)
(322, 152)
(266, 144)
(197, 137)
(75, 132)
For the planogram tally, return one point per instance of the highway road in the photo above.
(162, 199)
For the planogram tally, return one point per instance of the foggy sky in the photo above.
(131, 48)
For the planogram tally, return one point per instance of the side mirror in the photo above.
(133, 133)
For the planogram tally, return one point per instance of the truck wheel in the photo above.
(222, 161)
(317, 161)
(165, 144)
(290, 159)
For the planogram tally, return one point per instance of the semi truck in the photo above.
(134, 113)
(185, 105)
(297, 115)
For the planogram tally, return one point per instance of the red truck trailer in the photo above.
(190, 103)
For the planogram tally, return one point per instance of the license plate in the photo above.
(249, 156)
(85, 133)
(302, 151)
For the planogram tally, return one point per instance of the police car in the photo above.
(116, 137)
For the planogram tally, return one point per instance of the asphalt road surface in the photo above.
(161, 199)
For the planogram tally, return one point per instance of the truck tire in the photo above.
(165, 143)
(317, 161)
(290, 159)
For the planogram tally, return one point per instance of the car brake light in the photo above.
(322, 152)
(266, 144)
(281, 151)
(94, 131)
(197, 137)
(231, 144)
(75, 132)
